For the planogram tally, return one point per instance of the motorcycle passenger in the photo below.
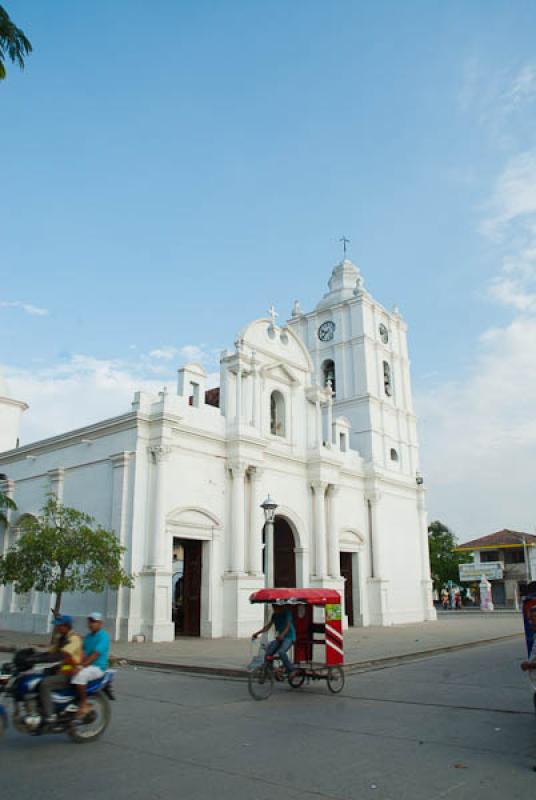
(283, 622)
(94, 661)
(67, 647)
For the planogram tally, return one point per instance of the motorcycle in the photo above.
(19, 681)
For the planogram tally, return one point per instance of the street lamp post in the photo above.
(269, 506)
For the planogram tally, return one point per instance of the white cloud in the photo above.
(511, 227)
(479, 432)
(190, 352)
(514, 196)
(77, 392)
(522, 88)
(497, 98)
(163, 353)
(478, 436)
(28, 308)
(84, 389)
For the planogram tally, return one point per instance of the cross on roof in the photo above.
(344, 241)
(273, 314)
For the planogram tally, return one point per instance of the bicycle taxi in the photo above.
(318, 649)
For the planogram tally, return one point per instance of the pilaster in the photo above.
(319, 492)
(56, 480)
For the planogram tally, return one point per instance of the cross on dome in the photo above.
(345, 242)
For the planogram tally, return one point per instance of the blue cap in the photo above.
(64, 619)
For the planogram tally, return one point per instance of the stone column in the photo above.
(253, 390)
(427, 585)
(334, 561)
(159, 557)
(318, 413)
(329, 436)
(319, 489)
(117, 601)
(56, 478)
(256, 524)
(375, 541)
(238, 539)
(238, 400)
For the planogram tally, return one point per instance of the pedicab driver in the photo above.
(96, 649)
(283, 623)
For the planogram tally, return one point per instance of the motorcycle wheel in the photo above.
(98, 720)
(260, 683)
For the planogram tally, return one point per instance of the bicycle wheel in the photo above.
(335, 679)
(261, 683)
(297, 680)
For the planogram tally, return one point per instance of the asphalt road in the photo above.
(460, 725)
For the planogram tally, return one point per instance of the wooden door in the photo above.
(347, 574)
(192, 587)
(284, 556)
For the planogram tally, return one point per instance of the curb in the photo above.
(351, 667)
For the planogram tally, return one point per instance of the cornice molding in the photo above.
(105, 428)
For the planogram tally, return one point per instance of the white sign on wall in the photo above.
(492, 570)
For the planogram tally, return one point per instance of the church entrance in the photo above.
(348, 575)
(284, 555)
(187, 564)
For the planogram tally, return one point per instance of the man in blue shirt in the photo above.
(283, 622)
(96, 650)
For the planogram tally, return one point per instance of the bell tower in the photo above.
(362, 349)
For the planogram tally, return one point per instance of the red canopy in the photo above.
(315, 597)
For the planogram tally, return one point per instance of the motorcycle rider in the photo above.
(67, 647)
(94, 661)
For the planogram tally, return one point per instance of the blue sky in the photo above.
(170, 170)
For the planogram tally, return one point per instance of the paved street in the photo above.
(452, 629)
(459, 725)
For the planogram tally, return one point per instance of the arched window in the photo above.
(387, 382)
(277, 414)
(394, 454)
(328, 373)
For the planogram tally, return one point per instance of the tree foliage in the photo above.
(63, 550)
(13, 43)
(444, 561)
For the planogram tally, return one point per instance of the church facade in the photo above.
(317, 412)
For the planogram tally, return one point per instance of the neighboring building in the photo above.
(508, 561)
(318, 413)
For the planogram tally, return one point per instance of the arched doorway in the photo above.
(284, 554)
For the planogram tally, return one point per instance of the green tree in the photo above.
(63, 550)
(13, 43)
(444, 561)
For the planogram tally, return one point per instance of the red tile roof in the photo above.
(504, 538)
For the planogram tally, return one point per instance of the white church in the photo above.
(317, 412)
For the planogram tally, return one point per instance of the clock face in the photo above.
(326, 331)
(384, 333)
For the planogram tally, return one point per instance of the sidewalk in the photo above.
(364, 647)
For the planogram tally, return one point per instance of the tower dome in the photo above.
(344, 280)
